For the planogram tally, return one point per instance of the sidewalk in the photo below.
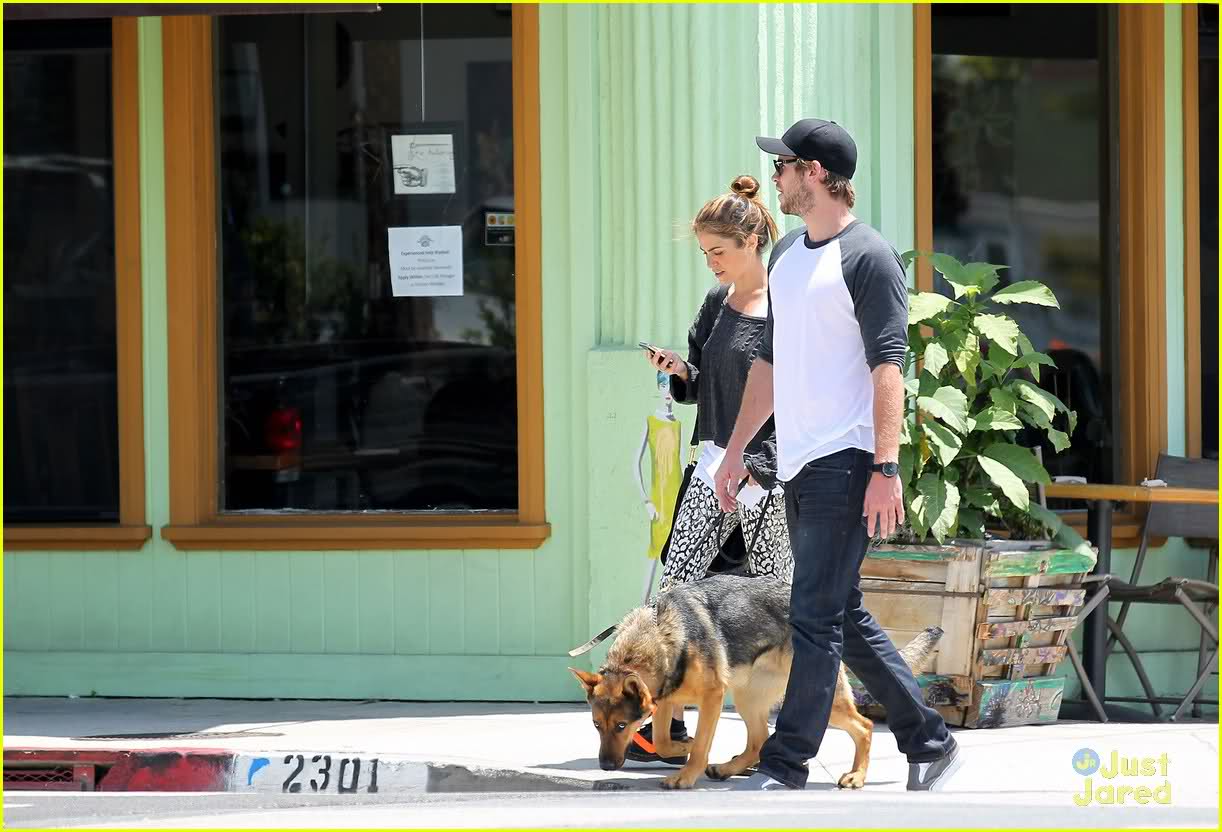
(361, 747)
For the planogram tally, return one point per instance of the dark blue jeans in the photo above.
(828, 535)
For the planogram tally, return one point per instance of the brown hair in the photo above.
(838, 186)
(738, 214)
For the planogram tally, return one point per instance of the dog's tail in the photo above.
(915, 652)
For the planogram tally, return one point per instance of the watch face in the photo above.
(889, 469)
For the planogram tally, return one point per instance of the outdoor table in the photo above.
(1100, 500)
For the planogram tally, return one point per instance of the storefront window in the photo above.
(368, 350)
(61, 430)
(1021, 161)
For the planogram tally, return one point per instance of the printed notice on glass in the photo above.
(423, 164)
(426, 261)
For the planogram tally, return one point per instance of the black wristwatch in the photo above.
(887, 469)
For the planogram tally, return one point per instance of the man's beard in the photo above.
(797, 202)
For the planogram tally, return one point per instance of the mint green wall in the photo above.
(414, 625)
(625, 92)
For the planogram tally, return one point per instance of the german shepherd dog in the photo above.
(701, 639)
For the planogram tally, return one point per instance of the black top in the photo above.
(722, 343)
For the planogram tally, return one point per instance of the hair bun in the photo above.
(746, 185)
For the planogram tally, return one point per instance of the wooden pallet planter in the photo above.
(1007, 610)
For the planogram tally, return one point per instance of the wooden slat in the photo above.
(1008, 629)
(902, 570)
(1132, 493)
(959, 617)
(1006, 703)
(1022, 655)
(1042, 595)
(1047, 562)
(922, 552)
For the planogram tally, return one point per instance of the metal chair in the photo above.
(1199, 598)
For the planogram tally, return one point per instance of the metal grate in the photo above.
(56, 774)
(75, 778)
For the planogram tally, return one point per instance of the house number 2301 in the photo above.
(325, 775)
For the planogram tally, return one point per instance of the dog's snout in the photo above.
(608, 764)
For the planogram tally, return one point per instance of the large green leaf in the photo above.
(937, 505)
(935, 357)
(1010, 483)
(1039, 397)
(1018, 459)
(1027, 291)
(1033, 415)
(982, 275)
(993, 418)
(906, 454)
(982, 499)
(1000, 359)
(1000, 330)
(952, 270)
(1060, 531)
(1024, 344)
(1003, 399)
(907, 257)
(1059, 440)
(948, 404)
(1033, 360)
(924, 305)
(967, 358)
(912, 387)
(944, 441)
(972, 522)
(916, 518)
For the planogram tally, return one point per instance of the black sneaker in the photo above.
(933, 775)
(642, 750)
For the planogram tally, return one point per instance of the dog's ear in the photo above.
(635, 688)
(588, 680)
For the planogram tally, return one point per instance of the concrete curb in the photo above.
(216, 770)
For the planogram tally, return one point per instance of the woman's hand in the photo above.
(668, 361)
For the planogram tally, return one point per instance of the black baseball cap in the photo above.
(814, 139)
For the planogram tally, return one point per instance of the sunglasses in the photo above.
(778, 165)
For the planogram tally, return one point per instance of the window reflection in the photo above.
(61, 432)
(1020, 170)
(338, 394)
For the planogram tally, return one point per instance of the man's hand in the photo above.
(884, 507)
(729, 479)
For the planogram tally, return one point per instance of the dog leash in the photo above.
(714, 523)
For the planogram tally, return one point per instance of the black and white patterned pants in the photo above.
(694, 544)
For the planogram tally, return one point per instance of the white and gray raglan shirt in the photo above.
(837, 309)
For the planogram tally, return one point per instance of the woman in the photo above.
(734, 230)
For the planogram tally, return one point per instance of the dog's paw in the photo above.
(852, 780)
(677, 781)
(716, 772)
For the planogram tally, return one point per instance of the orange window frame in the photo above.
(131, 531)
(191, 246)
(1142, 360)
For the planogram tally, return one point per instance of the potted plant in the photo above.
(978, 554)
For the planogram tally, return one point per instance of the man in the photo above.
(831, 366)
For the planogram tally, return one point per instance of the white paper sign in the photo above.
(423, 164)
(426, 261)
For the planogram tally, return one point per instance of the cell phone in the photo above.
(643, 345)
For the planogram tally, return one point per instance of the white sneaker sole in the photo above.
(950, 772)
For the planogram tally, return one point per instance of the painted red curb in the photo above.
(145, 770)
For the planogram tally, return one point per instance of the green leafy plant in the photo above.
(971, 398)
